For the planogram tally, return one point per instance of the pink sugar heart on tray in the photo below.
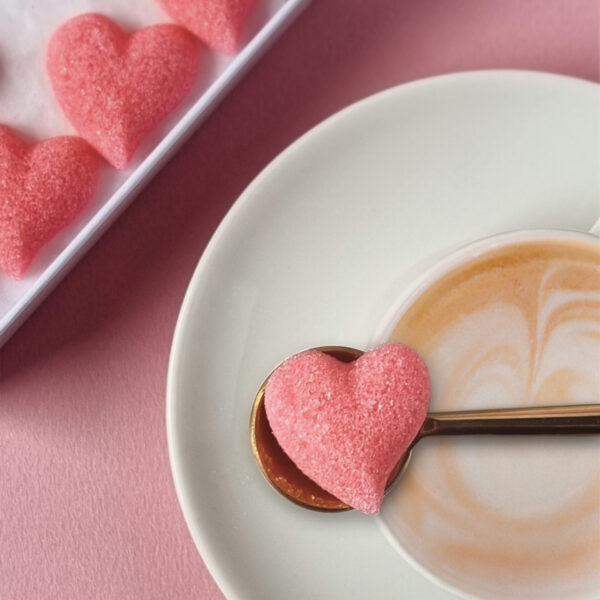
(115, 87)
(346, 425)
(43, 187)
(218, 23)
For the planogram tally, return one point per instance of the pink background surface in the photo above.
(87, 505)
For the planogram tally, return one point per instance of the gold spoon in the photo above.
(286, 478)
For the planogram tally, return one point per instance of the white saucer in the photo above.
(315, 252)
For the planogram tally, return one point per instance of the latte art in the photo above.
(508, 309)
(516, 326)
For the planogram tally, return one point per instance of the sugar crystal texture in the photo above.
(346, 425)
(115, 87)
(218, 23)
(43, 187)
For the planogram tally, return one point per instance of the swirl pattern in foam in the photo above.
(518, 325)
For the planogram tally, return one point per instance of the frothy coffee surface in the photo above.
(516, 326)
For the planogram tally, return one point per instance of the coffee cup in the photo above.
(510, 320)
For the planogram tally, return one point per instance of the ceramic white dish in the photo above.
(315, 252)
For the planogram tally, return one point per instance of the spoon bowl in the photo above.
(279, 470)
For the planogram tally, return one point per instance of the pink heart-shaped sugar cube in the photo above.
(346, 425)
(218, 23)
(115, 87)
(42, 189)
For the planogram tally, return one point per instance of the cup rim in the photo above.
(458, 256)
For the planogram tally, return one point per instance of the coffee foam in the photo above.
(516, 326)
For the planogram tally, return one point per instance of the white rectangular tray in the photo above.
(116, 188)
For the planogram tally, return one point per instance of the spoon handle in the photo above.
(574, 419)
